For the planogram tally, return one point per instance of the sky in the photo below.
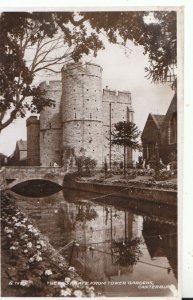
(121, 71)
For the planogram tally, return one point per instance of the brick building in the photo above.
(168, 147)
(151, 136)
(81, 121)
(160, 134)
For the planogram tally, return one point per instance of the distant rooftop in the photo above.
(22, 145)
(158, 119)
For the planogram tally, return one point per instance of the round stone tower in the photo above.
(50, 126)
(82, 111)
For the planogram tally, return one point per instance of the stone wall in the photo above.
(50, 126)
(2, 178)
(79, 124)
(116, 107)
(18, 174)
(33, 141)
(144, 194)
(82, 111)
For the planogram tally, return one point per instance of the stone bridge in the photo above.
(14, 175)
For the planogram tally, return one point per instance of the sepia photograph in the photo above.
(89, 160)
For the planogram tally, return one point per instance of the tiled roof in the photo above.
(152, 127)
(158, 119)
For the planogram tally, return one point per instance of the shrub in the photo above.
(163, 175)
(172, 156)
(145, 172)
(173, 165)
(85, 165)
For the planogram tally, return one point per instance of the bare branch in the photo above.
(12, 116)
(51, 70)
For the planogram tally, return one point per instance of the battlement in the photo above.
(109, 92)
(115, 92)
(72, 66)
(32, 120)
(82, 69)
(117, 96)
(126, 93)
(51, 85)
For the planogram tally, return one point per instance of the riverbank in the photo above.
(31, 267)
(138, 189)
(141, 181)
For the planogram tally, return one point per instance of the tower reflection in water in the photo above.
(112, 244)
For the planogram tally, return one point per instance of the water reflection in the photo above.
(112, 244)
(36, 188)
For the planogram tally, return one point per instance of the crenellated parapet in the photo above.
(52, 85)
(32, 120)
(116, 96)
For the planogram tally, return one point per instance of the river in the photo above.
(122, 251)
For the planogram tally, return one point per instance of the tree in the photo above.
(127, 252)
(156, 31)
(32, 43)
(85, 163)
(125, 134)
(54, 38)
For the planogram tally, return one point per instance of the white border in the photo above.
(43, 5)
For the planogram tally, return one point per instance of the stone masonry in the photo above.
(33, 144)
(81, 121)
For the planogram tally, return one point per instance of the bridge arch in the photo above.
(16, 175)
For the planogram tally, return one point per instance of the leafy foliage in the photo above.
(86, 213)
(125, 134)
(127, 253)
(86, 164)
(155, 31)
(54, 38)
(49, 40)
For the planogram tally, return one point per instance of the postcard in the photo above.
(91, 102)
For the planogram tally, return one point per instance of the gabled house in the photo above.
(159, 136)
(151, 136)
(19, 156)
(168, 148)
